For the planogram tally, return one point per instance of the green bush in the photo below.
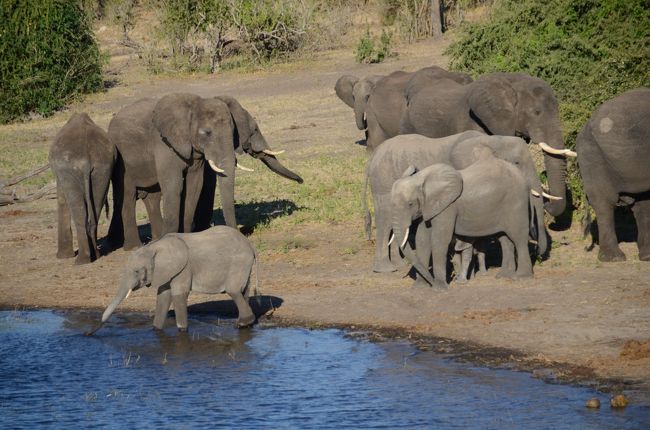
(369, 50)
(587, 50)
(47, 56)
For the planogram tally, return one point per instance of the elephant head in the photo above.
(355, 93)
(423, 194)
(515, 104)
(155, 264)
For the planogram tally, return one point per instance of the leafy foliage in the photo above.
(589, 51)
(369, 50)
(47, 56)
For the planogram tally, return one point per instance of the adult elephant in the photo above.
(354, 92)
(387, 101)
(82, 159)
(396, 154)
(163, 146)
(508, 104)
(614, 158)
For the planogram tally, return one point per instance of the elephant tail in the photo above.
(586, 223)
(364, 200)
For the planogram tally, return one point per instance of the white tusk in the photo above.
(215, 167)
(550, 197)
(269, 152)
(244, 168)
(406, 236)
(128, 294)
(535, 193)
(548, 148)
(364, 116)
(392, 237)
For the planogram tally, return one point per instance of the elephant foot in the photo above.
(383, 267)
(246, 321)
(421, 283)
(505, 274)
(524, 275)
(182, 329)
(461, 279)
(129, 245)
(482, 273)
(611, 256)
(644, 257)
(440, 285)
(82, 259)
(65, 254)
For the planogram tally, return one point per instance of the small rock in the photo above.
(619, 401)
(593, 403)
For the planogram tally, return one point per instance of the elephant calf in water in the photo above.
(217, 260)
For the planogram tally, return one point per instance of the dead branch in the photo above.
(9, 199)
(20, 178)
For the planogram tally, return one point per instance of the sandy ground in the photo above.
(577, 320)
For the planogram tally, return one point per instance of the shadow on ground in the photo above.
(257, 214)
(226, 308)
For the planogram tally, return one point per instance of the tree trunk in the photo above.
(436, 19)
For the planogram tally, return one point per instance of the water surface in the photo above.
(128, 376)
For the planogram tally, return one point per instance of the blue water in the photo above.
(128, 376)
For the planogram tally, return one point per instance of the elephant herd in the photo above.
(449, 159)
(449, 169)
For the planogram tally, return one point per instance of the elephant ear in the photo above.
(170, 257)
(441, 187)
(493, 102)
(245, 125)
(344, 87)
(173, 117)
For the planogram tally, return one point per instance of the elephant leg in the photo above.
(100, 182)
(180, 310)
(641, 211)
(442, 234)
(507, 258)
(246, 316)
(163, 301)
(604, 205)
(80, 215)
(171, 185)
(520, 239)
(466, 255)
(64, 232)
(193, 185)
(382, 261)
(422, 252)
(152, 203)
(131, 236)
(479, 247)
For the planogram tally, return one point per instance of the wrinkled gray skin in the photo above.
(163, 146)
(394, 156)
(355, 92)
(82, 159)
(387, 101)
(507, 104)
(217, 260)
(464, 255)
(614, 157)
(490, 196)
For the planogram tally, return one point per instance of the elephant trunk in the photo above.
(227, 196)
(128, 284)
(555, 169)
(360, 112)
(411, 256)
(277, 167)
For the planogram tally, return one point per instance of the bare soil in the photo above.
(585, 321)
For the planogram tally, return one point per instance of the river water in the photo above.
(129, 376)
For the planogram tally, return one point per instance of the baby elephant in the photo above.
(82, 159)
(217, 260)
(489, 197)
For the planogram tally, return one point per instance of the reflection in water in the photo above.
(131, 376)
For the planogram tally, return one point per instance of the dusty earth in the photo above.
(577, 320)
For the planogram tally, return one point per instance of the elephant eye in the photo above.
(538, 112)
(205, 131)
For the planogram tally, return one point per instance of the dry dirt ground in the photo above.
(584, 320)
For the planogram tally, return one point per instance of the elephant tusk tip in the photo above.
(535, 193)
(570, 153)
(274, 153)
(214, 167)
(244, 168)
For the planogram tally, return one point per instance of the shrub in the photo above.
(587, 50)
(367, 50)
(47, 56)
